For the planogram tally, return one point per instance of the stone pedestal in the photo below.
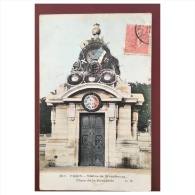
(121, 145)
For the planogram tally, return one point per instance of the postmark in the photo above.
(137, 39)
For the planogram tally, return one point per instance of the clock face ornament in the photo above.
(91, 102)
(74, 79)
(108, 77)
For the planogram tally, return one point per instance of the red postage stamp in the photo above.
(137, 39)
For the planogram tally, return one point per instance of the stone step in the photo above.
(145, 149)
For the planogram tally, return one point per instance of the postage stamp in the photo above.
(137, 39)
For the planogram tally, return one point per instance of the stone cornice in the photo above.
(90, 86)
(136, 99)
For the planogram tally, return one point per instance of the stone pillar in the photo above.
(71, 112)
(72, 122)
(55, 150)
(124, 124)
(110, 134)
(53, 119)
(135, 122)
(112, 111)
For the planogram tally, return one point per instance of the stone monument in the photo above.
(94, 115)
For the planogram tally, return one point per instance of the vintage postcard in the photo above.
(95, 102)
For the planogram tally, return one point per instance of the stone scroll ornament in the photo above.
(137, 39)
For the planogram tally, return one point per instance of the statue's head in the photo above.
(96, 30)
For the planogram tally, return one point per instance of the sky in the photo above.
(61, 34)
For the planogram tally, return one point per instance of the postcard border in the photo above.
(108, 8)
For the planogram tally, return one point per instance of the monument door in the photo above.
(92, 140)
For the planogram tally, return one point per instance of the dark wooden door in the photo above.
(92, 140)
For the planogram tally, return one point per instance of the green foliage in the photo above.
(45, 116)
(145, 111)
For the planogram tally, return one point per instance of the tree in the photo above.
(145, 110)
(45, 117)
